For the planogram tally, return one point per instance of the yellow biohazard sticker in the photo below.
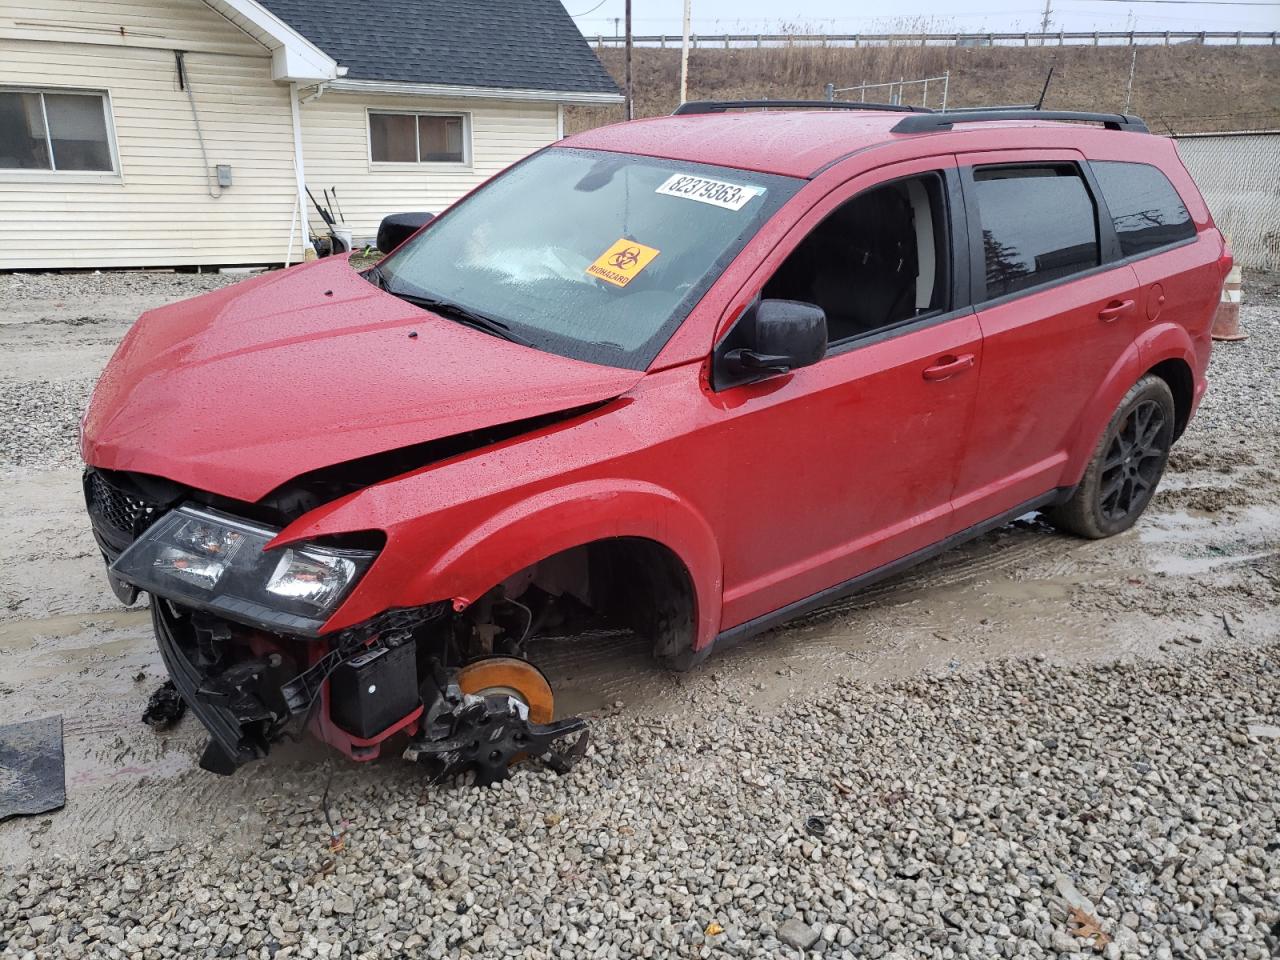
(622, 262)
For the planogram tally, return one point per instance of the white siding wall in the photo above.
(157, 210)
(335, 135)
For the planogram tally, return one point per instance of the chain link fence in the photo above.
(1239, 175)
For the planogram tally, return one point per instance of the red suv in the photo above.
(694, 374)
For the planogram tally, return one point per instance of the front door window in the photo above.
(876, 262)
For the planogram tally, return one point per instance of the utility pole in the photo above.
(631, 103)
(1044, 21)
(1128, 87)
(684, 54)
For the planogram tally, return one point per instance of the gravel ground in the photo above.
(42, 416)
(53, 296)
(775, 803)
(1023, 810)
(42, 421)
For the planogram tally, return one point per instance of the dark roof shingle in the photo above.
(521, 44)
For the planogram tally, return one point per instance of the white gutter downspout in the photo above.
(315, 94)
(559, 121)
(299, 171)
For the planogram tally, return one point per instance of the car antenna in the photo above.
(1044, 90)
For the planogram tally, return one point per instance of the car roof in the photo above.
(796, 143)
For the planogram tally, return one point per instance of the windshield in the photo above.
(592, 255)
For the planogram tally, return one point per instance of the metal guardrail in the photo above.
(1058, 38)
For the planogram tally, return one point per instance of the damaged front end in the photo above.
(239, 623)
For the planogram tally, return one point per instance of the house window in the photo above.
(417, 138)
(54, 130)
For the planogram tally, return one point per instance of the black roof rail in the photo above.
(931, 122)
(721, 106)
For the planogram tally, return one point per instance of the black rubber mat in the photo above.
(32, 771)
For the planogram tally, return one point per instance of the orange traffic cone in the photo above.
(1226, 321)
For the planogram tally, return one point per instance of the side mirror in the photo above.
(773, 337)
(399, 227)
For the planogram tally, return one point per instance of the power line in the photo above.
(1196, 3)
(805, 20)
(592, 10)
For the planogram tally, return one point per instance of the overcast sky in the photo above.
(842, 16)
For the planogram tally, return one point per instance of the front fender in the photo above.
(563, 517)
(462, 555)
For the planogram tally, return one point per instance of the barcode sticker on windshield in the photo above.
(731, 196)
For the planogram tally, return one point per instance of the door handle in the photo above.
(1114, 309)
(948, 366)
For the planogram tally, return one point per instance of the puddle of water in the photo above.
(1190, 542)
(1190, 566)
(1196, 527)
(19, 633)
(1030, 589)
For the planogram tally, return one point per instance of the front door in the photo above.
(839, 468)
(1057, 315)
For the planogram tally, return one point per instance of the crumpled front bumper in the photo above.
(240, 711)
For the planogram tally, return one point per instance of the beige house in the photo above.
(175, 132)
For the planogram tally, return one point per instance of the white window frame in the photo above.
(69, 176)
(463, 164)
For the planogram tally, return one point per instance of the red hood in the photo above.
(241, 389)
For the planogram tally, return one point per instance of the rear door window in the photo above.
(1038, 224)
(1146, 209)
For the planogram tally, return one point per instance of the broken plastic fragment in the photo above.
(165, 708)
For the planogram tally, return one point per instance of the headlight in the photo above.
(211, 561)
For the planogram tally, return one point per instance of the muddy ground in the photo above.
(1200, 571)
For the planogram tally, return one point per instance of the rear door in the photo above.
(1057, 313)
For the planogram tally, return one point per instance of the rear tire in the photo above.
(1126, 466)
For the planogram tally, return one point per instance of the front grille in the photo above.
(119, 517)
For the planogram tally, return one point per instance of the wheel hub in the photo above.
(512, 677)
(496, 713)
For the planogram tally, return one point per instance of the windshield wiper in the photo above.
(464, 315)
(452, 310)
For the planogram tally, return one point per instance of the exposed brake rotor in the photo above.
(496, 712)
(513, 677)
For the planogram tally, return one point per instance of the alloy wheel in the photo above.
(1133, 463)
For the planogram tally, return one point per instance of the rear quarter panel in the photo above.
(1179, 289)
(1189, 277)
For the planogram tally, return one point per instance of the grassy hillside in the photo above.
(1183, 88)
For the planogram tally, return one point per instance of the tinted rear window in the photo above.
(1038, 225)
(1146, 209)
